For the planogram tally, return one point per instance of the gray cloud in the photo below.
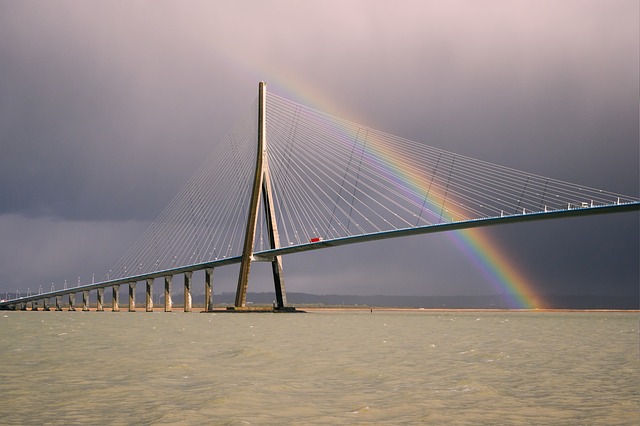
(106, 108)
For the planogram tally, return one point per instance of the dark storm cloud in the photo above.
(130, 101)
(102, 112)
(39, 252)
(106, 108)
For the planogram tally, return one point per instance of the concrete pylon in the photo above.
(132, 296)
(261, 186)
(208, 289)
(149, 301)
(187, 291)
(115, 304)
(100, 301)
(168, 303)
(85, 300)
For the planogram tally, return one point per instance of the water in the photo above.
(335, 367)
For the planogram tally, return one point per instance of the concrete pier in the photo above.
(100, 304)
(208, 289)
(149, 304)
(34, 305)
(58, 303)
(72, 301)
(45, 304)
(115, 291)
(187, 291)
(85, 300)
(132, 297)
(168, 303)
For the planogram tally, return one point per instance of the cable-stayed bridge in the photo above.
(288, 178)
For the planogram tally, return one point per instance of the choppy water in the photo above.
(319, 368)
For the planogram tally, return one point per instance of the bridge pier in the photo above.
(58, 303)
(168, 303)
(100, 304)
(115, 304)
(132, 297)
(149, 305)
(208, 289)
(187, 291)
(85, 300)
(72, 301)
(23, 306)
(45, 304)
(34, 305)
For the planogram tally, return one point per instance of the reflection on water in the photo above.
(319, 368)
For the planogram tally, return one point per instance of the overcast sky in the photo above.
(107, 107)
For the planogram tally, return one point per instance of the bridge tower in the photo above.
(261, 186)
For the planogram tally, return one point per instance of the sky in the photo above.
(108, 107)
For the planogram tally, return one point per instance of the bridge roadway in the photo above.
(268, 255)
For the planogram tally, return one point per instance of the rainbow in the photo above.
(487, 256)
(484, 253)
(497, 269)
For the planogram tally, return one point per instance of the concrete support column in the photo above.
(34, 305)
(149, 307)
(115, 291)
(23, 306)
(132, 297)
(261, 185)
(252, 216)
(72, 301)
(168, 303)
(100, 304)
(85, 300)
(45, 304)
(187, 291)
(58, 303)
(208, 289)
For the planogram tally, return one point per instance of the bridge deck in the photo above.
(451, 226)
(268, 255)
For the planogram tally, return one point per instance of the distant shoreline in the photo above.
(360, 308)
(346, 308)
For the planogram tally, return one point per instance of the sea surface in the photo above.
(321, 367)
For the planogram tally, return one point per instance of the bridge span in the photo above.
(315, 182)
(42, 300)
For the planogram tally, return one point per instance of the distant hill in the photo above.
(384, 301)
(450, 302)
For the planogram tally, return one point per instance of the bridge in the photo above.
(290, 179)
